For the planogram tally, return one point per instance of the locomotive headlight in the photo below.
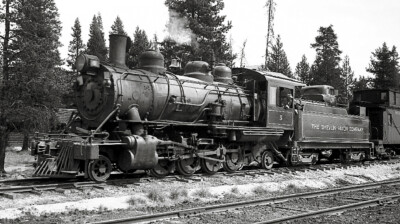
(85, 62)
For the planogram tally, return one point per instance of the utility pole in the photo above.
(270, 31)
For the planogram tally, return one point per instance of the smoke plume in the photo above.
(179, 31)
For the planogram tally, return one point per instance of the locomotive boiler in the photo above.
(147, 118)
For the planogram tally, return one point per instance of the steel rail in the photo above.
(369, 203)
(241, 204)
(43, 187)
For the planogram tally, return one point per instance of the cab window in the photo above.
(272, 96)
(285, 97)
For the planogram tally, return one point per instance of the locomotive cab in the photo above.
(274, 92)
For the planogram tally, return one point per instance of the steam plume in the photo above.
(179, 31)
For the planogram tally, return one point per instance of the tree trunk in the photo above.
(3, 144)
(6, 53)
(25, 143)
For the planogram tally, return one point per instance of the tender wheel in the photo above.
(267, 160)
(233, 162)
(162, 169)
(345, 157)
(210, 166)
(187, 167)
(314, 160)
(100, 169)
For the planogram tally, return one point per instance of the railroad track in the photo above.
(337, 209)
(13, 192)
(9, 188)
(273, 200)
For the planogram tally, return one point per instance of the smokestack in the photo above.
(118, 50)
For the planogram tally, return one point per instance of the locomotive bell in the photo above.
(199, 70)
(118, 48)
(152, 61)
(223, 74)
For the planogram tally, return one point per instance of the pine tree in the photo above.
(140, 44)
(76, 45)
(278, 61)
(207, 29)
(303, 70)
(348, 78)
(171, 50)
(37, 40)
(154, 43)
(30, 91)
(362, 83)
(118, 27)
(384, 65)
(8, 15)
(326, 69)
(96, 44)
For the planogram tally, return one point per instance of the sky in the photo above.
(361, 26)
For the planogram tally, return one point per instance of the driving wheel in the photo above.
(187, 167)
(162, 169)
(233, 162)
(210, 166)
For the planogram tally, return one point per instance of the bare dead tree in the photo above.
(242, 54)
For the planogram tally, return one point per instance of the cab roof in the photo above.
(259, 75)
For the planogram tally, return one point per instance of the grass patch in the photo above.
(291, 188)
(175, 194)
(102, 208)
(259, 190)
(203, 193)
(341, 181)
(230, 196)
(235, 190)
(135, 201)
(155, 195)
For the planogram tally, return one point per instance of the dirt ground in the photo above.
(81, 206)
(18, 164)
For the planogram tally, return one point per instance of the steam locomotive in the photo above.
(150, 119)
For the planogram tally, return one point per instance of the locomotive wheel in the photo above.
(267, 160)
(344, 157)
(162, 169)
(100, 169)
(187, 167)
(233, 162)
(210, 166)
(314, 160)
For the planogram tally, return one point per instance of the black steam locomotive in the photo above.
(150, 119)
